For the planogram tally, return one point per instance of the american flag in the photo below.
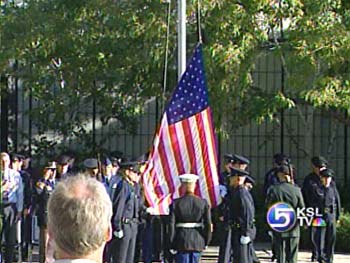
(184, 143)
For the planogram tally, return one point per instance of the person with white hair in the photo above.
(79, 219)
(190, 223)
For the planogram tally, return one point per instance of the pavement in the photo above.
(263, 252)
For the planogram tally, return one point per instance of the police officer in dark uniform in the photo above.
(312, 192)
(271, 176)
(190, 223)
(233, 161)
(241, 217)
(330, 203)
(62, 163)
(249, 184)
(43, 189)
(285, 191)
(126, 203)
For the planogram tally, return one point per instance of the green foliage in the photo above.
(72, 54)
(343, 233)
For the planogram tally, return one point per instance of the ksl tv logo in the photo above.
(282, 217)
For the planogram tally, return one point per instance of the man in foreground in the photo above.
(79, 219)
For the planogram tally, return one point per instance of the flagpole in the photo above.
(181, 47)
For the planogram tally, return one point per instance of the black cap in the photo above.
(17, 157)
(240, 159)
(319, 161)
(284, 169)
(238, 172)
(91, 163)
(128, 164)
(249, 179)
(106, 161)
(63, 159)
(235, 158)
(143, 158)
(281, 159)
(327, 173)
(228, 157)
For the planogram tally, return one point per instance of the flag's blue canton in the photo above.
(191, 95)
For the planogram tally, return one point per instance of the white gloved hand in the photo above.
(245, 240)
(223, 190)
(118, 234)
(173, 251)
(150, 210)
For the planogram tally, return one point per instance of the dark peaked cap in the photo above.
(250, 179)
(319, 161)
(63, 159)
(91, 163)
(235, 158)
(240, 159)
(280, 158)
(285, 169)
(238, 172)
(327, 173)
(130, 164)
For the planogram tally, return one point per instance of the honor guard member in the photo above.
(63, 162)
(249, 184)
(271, 176)
(92, 168)
(43, 189)
(12, 205)
(330, 201)
(286, 243)
(312, 192)
(235, 161)
(107, 171)
(241, 217)
(126, 203)
(190, 223)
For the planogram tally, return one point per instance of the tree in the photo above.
(110, 53)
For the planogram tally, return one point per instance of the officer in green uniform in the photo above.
(285, 191)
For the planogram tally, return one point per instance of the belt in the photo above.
(189, 225)
(328, 210)
(129, 220)
(8, 204)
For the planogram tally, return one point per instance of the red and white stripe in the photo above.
(188, 146)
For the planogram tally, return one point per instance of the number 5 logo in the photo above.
(281, 217)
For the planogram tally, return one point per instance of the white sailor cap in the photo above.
(188, 178)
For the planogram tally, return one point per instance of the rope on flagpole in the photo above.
(199, 29)
(165, 72)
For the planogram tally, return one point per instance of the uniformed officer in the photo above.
(63, 162)
(12, 201)
(285, 191)
(126, 203)
(92, 168)
(330, 201)
(241, 217)
(312, 192)
(233, 161)
(43, 189)
(249, 184)
(190, 223)
(271, 178)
